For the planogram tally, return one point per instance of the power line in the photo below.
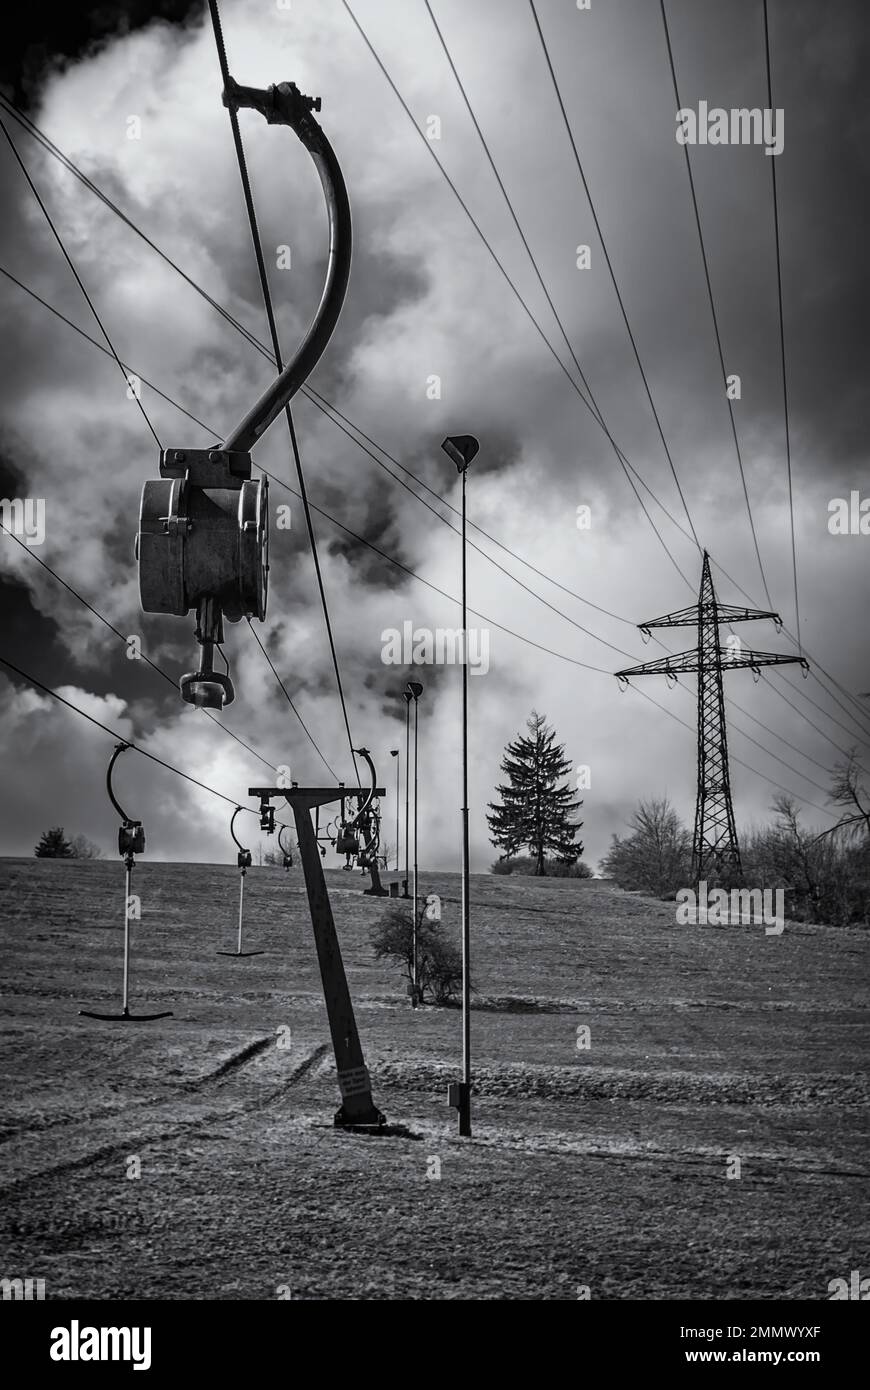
(321, 402)
(536, 267)
(256, 638)
(355, 536)
(276, 349)
(390, 559)
(361, 540)
(47, 690)
(832, 742)
(159, 669)
(411, 572)
(713, 312)
(40, 136)
(78, 279)
(797, 611)
(600, 233)
(623, 460)
(818, 707)
(340, 420)
(277, 353)
(122, 637)
(733, 758)
(590, 405)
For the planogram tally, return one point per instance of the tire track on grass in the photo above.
(194, 1086)
(116, 1148)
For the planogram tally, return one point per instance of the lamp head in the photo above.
(416, 689)
(461, 448)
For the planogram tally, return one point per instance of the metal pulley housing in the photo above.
(346, 843)
(131, 838)
(204, 533)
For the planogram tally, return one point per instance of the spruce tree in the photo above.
(536, 812)
(54, 845)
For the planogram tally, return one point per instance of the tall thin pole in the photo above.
(128, 886)
(414, 931)
(241, 905)
(465, 1106)
(407, 699)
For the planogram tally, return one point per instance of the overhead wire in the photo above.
(152, 757)
(410, 572)
(123, 637)
(590, 405)
(609, 264)
(287, 696)
(770, 105)
(326, 404)
(718, 336)
(214, 11)
(78, 279)
(321, 401)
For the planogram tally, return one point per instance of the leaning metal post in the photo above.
(357, 1110)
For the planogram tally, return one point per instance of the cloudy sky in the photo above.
(428, 299)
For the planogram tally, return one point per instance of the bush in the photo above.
(825, 878)
(656, 857)
(561, 870)
(555, 868)
(439, 961)
(83, 848)
(521, 864)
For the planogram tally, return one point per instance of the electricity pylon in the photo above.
(715, 851)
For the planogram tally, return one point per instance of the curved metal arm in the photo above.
(281, 845)
(370, 795)
(119, 749)
(284, 104)
(238, 843)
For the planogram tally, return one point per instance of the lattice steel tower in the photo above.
(715, 851)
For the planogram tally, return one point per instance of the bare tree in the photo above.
(847, 791)
(83, 848)
(655, 857)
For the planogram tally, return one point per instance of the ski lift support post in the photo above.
(357, 1110)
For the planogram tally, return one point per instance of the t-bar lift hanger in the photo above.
(131, 841)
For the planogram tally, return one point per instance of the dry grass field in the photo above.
(602, 1169)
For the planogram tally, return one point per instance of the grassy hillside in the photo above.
(602, 1169)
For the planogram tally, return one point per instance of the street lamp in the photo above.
(416, 690)
(394, 753)
(407, 697)
(462, 448)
